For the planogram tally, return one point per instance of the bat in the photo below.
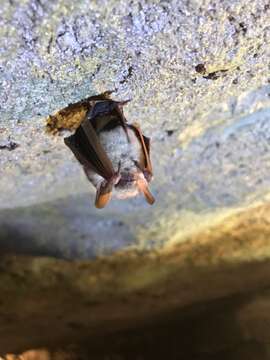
(114, 154)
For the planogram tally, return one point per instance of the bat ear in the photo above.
(103, 196)
(102, 200)
(143, 187)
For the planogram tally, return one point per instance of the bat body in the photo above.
(115, 155)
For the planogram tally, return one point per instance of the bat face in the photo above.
(115, 155)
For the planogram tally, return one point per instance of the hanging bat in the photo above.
(115, 155)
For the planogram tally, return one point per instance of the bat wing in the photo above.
(147, 171)
(145, 141)
(88, 150)
(85, 142)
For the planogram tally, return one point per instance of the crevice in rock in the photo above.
(70, 117)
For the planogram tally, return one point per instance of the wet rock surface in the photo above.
(196, 264)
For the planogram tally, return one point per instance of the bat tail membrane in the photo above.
(143, 187)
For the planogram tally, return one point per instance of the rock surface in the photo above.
(198, 76)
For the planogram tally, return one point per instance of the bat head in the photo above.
(133, 183)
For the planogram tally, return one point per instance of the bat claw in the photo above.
(116, 178)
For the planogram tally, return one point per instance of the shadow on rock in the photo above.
(19, 242)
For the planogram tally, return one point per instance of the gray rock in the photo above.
(197, 74)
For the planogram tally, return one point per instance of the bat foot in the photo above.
(124, 102)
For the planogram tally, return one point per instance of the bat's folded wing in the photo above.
(88, 150)
(145, 142)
